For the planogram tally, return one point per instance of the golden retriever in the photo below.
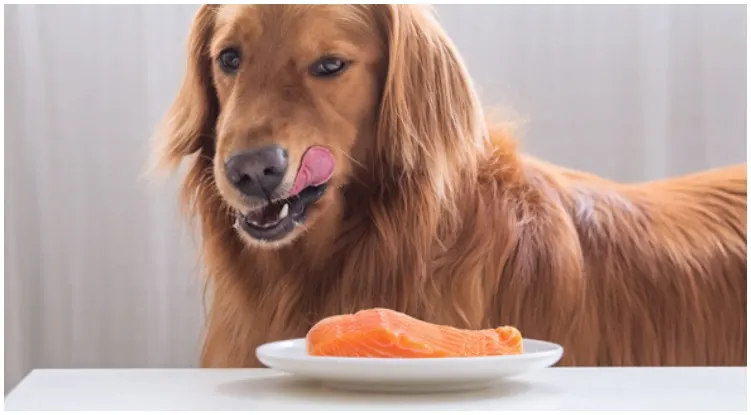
(339, 159)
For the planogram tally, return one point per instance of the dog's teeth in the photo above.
(285, 210)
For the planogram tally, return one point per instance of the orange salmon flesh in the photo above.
(386, 333)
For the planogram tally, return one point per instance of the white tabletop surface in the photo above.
(254, 389)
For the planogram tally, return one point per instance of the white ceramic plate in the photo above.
(407, 375)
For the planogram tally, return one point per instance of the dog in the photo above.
(339, 159)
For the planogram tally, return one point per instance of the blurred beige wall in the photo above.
(101, 272)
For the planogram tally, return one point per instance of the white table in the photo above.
(256, 389)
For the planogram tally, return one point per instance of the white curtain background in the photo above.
(100, 269)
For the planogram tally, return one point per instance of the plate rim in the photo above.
(555, 350)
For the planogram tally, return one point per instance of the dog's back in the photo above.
(665, 267)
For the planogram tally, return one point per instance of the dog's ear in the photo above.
(191, 121)
(430, 121)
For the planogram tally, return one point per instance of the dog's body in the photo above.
(449, 223)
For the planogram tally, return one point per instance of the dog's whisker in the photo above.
(353, 160)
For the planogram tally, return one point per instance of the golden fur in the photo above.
(431, 214)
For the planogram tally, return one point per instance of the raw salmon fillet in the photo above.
(380, 332)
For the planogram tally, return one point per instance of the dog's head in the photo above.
(293, 103)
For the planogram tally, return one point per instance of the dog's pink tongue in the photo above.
(316, 168)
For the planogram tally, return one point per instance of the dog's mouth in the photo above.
(275, 220)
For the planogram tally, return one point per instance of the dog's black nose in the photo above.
(257, 172)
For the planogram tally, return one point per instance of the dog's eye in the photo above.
(327, 66)
(229, 60)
